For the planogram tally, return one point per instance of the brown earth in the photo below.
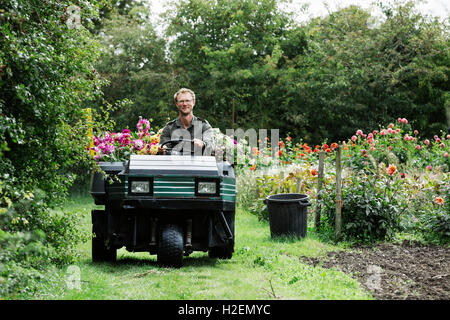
(406, 271)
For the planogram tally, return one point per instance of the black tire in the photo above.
(221, 252)
(171, 245)
(101, 253)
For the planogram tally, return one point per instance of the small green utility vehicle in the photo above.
(169, 205)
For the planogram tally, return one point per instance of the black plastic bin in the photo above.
(288, 214)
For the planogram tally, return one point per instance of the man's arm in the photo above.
(208, 138)
(165, 135)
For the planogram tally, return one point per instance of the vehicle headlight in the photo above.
(207, 187)
(140, 186)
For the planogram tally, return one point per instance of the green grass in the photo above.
(261, 268)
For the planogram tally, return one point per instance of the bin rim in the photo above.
(302, 197)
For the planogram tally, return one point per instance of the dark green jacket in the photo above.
(198, 128)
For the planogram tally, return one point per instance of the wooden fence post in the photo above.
(338, 220)
(232, 116)
(319, 188)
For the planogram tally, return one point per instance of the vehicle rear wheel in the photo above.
(170, 252)
(101, 253)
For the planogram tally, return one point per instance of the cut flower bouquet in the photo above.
(118, 146)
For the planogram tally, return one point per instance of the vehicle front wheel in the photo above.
(171, 245)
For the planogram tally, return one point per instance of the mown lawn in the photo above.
(261, 268)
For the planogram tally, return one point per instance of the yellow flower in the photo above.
(143, 151)
(28, 195)
(154, 149)
(154, 138)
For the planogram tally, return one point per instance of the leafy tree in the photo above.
(322, 80)
(46, 59)
(357, 76)
(133, 60)
(230, 52)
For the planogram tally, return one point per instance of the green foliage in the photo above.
(354, 68)
(436, 227)
(46, 76)
(321, 79)
(394, 182)
(372, 207)
(429, 207)
(133, 60)
(231, 53)
(33, 237)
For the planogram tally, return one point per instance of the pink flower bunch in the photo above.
(402, 120)
(118, 146)
(138, 144)
(143, 127)
(389, 130)
(395, 138)
(124, 138)
(107, 144)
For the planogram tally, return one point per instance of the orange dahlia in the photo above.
(439, 201)
(391, 169)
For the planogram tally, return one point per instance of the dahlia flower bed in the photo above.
(393, 182)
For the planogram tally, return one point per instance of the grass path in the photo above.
(261, 268)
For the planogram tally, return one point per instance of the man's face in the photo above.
(185, 103)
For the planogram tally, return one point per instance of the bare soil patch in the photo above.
(406, 271)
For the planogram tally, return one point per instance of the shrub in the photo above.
(392, 179)
(372, 206)
(429, 208)
(33, 237)
(46, 78)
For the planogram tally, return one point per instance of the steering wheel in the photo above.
(174, 143)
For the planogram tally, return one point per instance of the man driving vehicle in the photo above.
(187, 126)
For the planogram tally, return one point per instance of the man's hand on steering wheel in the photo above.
(163, 149)
(199, 143)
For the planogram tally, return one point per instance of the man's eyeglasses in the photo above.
(183, 101)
